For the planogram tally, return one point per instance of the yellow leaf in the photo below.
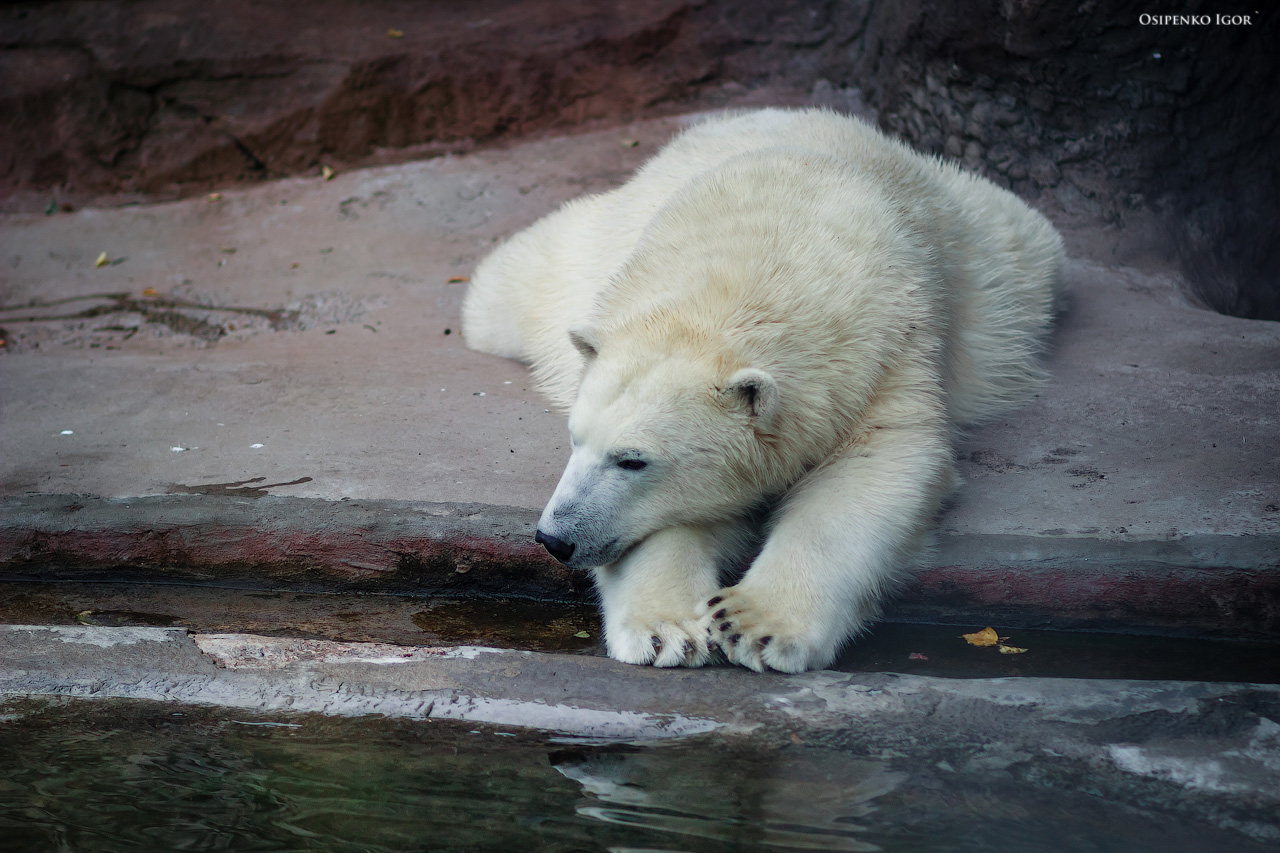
(150, 291)
(215, 196)
(326, 173)
(582, 634)
(102, 261)
(1010, 650)
(458, 279)
(395, 34)
(985, 637)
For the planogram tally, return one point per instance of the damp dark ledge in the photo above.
(1209, 585)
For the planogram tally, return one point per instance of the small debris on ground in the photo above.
(102, 261)
(985, 637)
(989, 637)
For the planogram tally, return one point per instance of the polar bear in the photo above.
(766, 341)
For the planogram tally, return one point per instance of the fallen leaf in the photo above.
(395, 34)
(215, 196)
(582, 635)
(1010, 650)
(985, 637)
(326, 173)
(150, 291)
(102, 261)
(630, 143)
(51, 209)
(917, 656)
(228, 251)
(294, 265)
(83, 617)
(459, 279)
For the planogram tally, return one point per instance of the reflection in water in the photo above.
(122, 776)
(801, 799)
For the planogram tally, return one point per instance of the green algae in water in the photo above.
(117, 775)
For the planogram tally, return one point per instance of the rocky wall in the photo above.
(1100, 108)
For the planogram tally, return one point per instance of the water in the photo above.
(121, 776)
(918, 649)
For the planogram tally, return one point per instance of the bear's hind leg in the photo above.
(649, 596)
(840, 539)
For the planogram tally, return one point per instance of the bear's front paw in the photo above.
(750, 632)
(661, 643)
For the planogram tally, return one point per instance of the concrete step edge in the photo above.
(1218, 585)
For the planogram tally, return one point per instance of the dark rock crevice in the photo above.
(1112, 116)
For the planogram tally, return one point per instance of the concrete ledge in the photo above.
(595, 696)
(1213, 584)
(278, 542)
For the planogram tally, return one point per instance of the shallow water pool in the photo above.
(116, 775)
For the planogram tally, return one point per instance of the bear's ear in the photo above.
(584, 339)
(756, 392)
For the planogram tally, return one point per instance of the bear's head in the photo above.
(659, 437)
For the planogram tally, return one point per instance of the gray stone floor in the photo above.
(1160, 422)
(301, 339)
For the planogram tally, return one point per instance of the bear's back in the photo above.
(998, 261)
(995, 261)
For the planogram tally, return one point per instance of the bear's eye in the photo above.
(632, 464)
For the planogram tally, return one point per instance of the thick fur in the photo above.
(782, 309)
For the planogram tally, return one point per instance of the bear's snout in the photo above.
(557, 548)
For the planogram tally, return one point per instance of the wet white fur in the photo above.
(780, 305)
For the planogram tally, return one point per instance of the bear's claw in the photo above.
(757, 637)
(682, 643)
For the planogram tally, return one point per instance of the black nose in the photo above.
(557, 548)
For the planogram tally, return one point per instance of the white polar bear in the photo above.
(765, 340)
